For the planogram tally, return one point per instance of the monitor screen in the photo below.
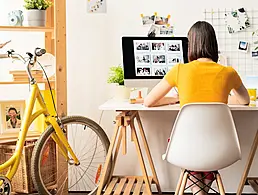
(152, 57)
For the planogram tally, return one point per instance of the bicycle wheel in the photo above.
(90, 144)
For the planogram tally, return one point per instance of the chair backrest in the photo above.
(203, 138)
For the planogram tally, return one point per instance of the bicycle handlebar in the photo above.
(32, 59)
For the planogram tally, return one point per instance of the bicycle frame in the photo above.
(59, 136)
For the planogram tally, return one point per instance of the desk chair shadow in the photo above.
(204, 139)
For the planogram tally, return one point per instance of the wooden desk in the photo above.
(125, 107)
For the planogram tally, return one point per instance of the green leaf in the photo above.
(256, 48)
(116, 75)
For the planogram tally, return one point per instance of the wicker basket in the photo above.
(22, 181)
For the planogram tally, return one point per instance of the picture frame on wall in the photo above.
(11, 115)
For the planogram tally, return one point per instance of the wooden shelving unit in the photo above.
(27, 29)
(55, 43)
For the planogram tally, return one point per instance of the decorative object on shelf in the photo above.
(4, 44)
(15, 18)
(97, 6)
(48, 62)
(36, 11)
(11, 115)
(116, 76)
(237, 20)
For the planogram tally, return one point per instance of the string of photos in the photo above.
(158, 25)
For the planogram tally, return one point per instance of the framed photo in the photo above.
(243, 46)
(11, 115)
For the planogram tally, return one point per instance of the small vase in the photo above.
(122, 93)
(36, 17)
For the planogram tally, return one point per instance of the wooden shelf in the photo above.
(26, 28)
(11, 137)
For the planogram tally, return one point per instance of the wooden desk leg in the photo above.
(108, 158)
(115, 155)
(148, 153)
(248, 164)
(140, 157)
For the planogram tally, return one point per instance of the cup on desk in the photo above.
(252, 93)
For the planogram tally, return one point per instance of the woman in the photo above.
(200, 80)
(13, 122)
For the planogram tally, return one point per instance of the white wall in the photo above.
(94, 44)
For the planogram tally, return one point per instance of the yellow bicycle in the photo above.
(80, 140)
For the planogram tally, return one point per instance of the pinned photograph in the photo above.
(237, 20)
(167, 30)
(173, 47)
(159, 71)
(153, 31)
(12, 113)
(243, 46)
(144, 71)
(173, 59)
(97, 6)
(255, 54)
(158, 59)
(147, 20)
(161, 20)
(142, 59)
(158, 46)
(142, 46)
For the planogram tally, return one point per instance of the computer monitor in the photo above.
(147, 59)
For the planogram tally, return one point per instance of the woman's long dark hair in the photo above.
(202, 42)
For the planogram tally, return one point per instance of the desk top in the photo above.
(121, 105)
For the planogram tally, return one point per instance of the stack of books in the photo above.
(21, 75)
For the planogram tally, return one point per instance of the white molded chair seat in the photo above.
(203, 138)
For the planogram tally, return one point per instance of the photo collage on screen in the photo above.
(156, 58)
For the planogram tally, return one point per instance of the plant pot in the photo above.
(122, 92)
(36, 17)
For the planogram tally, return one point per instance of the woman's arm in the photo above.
(240, 96)
(157, 96)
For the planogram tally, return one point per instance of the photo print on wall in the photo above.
(147, 20)
(97, 6)
(237, 20)
(167, 30)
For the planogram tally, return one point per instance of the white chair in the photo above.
(203, 138)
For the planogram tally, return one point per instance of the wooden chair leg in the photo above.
(179, 182)
(183, 184)
(220, 184)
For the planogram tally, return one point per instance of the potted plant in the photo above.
(36, 11)
(116, 76)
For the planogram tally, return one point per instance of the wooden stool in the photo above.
(116, 184)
